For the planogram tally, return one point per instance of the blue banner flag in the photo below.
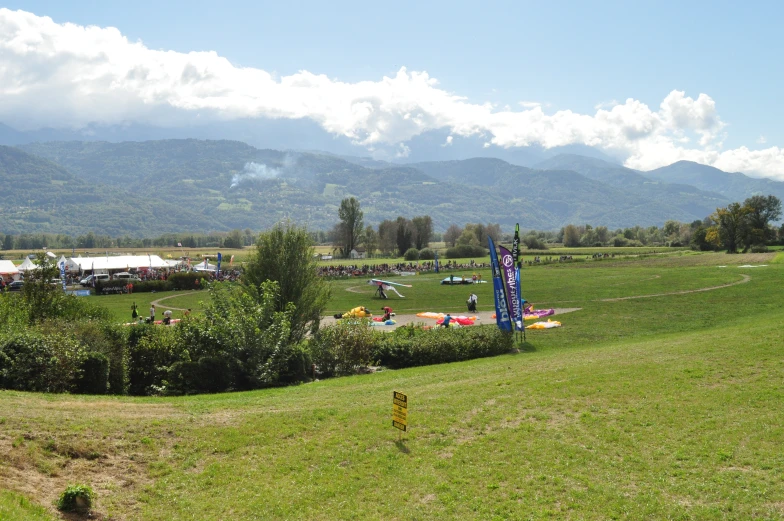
(436, 262)
(510, 281)
(501, 307)
(62, 273)
(219, 260)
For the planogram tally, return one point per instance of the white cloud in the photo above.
(762, 140)
(68, 75)
(448, 141)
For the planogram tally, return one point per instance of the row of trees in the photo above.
(36, 241)
(736, 227)
(391, 236)
(744, 226)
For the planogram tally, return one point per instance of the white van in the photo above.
(88, 281)
(126, 276)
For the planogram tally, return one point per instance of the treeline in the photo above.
(737, 227)
(37, 241)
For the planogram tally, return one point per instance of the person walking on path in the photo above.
(472, 300)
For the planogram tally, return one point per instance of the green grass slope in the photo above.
(661, 406)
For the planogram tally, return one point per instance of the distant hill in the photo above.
(735, 186)
(675, 195)
(153, 187)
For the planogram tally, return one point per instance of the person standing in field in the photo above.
(152, 313)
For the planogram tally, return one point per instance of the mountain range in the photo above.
(146, 188)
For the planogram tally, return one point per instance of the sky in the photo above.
(650, 82)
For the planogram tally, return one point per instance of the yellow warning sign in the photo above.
(399, 411)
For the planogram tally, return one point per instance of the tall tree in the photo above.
(452, 234)
(370, 240)
(351, 223)
(571, 236)
(405, 235)
(424, 230)
(285, 254)
(731, 223)
(387, 236)
(760, 211)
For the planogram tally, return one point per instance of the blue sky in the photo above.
(568, 56)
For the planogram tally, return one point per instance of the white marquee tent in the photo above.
(27, 265)
(7, 268)
(119, 262)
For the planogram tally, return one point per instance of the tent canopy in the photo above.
(119, 262)
(7, 268)
(27, 265)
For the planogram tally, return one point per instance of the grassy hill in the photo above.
(154, 187)
(665, 405)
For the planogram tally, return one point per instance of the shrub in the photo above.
(94, 378)
(187, 280)
(411, 254)
(465, 251)
(151, 350)
(145, 286)
(427, 254)
(759, 248)
(532, 242)
(412, 346)
(210, 374)
(343, 347)
(76, 498)
(32, 361)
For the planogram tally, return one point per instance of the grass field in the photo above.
(660, 399)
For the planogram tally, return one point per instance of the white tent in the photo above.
(27, 265)
(201, 267)
(119, 262)
(7, 268)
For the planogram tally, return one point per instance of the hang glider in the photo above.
(385, 285)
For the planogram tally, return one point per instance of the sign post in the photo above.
(400, 412)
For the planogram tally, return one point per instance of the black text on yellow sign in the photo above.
(399, 411)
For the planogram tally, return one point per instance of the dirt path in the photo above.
(402, 320)
(157, 303)
(745, 279)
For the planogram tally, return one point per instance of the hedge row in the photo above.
(175, 282)
(344, 347)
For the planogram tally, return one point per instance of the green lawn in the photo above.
(663, 407)
(120, 305)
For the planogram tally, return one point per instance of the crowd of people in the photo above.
(375, 270)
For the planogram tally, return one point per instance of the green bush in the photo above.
(94, 377)
(187, 280)
(413, 346)
(465, 251)
(151, 350)
(343, 347)
(32, 361)
(144, 286)
(411, 254)
(210, 374)
(76, 498)
(426, 254)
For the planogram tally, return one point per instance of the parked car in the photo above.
(126, 276)
(16, 285)
(88, 281)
